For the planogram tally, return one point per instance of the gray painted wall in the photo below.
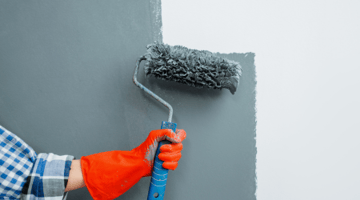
(65, 87)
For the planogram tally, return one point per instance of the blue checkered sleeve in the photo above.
(48, 178)
(16, 162)
(27, 176)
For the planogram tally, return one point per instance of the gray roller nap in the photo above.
(192, 67)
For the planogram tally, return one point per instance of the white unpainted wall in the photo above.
(308, 66)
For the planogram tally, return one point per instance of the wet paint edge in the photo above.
(255, 110)
(156, 20)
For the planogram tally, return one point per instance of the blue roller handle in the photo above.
(159, 174)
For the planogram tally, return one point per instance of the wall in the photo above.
(307, 93)
(65, 85)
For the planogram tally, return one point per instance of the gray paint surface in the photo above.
(65, 87)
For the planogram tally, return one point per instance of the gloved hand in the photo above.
(108, 175)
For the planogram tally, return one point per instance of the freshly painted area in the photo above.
(66, 72)
(66, 87)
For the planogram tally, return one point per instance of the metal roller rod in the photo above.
(150, 92)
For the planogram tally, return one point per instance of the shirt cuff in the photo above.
(48, 177)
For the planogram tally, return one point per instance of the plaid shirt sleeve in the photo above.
(27, 176)
(16, 162)
(48, 178)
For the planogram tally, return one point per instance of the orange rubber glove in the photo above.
(108, 175)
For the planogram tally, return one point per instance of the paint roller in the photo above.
(197, 68)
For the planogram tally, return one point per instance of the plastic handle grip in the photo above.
(159, 174)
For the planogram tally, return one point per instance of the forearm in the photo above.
(76, 179)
